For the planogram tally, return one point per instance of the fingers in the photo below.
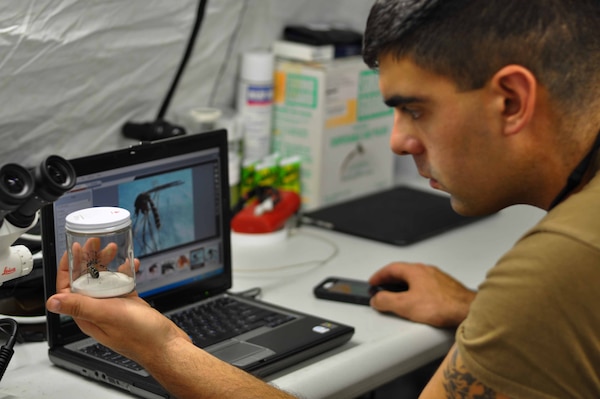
(85, 312)
(105, 256)
(385, 301)
(434, 297)
(114, 321)
(92, 245)
(86, 307)
(393, 272)
(62, 276)
(125, 268)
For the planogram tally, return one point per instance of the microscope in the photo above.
(22, 193)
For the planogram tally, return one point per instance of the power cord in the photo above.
(314, 262)
(228, 53)
(252, 293)
(6, 350)
(160, 128)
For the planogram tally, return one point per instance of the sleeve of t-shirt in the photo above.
(533, 330)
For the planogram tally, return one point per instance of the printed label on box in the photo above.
(334, 118)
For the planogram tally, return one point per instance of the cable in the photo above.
(228, 53)
(31, 237)
(186, 56)
(26, 319)
(6, 351)
(160, 128)
(252, 293)
(315, 263)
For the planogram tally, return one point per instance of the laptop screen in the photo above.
(174, 192)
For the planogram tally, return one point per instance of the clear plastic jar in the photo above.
(100, 251)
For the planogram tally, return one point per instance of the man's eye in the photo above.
(413, 113)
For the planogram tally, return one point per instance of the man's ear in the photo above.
(517, 89)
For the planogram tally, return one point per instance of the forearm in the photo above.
(462, 304)
(188, 372)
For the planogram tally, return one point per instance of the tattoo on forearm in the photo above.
(460, 384)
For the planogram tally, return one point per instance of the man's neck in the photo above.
(582, 173)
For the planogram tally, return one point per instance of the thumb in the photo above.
(69, 304)
(75, 305)
(385, 301)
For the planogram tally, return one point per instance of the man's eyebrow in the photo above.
(396, 101)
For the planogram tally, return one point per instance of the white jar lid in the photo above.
(205, 114)
(101, 219)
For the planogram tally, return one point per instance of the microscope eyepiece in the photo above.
(16, 185)
(13, 184)
(16, 182)
(57, 175)
(52, 178)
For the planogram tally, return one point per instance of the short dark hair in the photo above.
(469, 40)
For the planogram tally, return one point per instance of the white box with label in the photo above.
(332, 115)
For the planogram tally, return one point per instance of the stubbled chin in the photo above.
(468, 208)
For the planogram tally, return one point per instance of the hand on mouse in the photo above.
(433, 297)
(393, 287)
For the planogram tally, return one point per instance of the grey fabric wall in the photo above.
(73, 71)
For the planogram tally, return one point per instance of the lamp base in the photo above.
(151, 131)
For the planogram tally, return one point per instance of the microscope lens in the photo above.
(13, 184)
(15, 181)
(56, 174)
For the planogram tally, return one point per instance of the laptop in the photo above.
(177, 192)
(400, 216)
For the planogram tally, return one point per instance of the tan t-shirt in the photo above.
(533, 330)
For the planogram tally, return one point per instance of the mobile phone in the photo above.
(344, 290)
(352, 291)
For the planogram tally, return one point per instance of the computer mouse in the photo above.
(394, 287)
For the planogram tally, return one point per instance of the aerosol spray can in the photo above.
(255, 103)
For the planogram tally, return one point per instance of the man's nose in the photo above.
(403, 141)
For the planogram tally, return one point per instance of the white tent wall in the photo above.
(72, 72)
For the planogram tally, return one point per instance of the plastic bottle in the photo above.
(255, 103)
(204, 119)
(231, 122)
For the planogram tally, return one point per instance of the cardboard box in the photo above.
(302, 52)
(332, 115)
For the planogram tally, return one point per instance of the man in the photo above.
(497, 102)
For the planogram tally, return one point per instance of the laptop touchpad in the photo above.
(240, 353)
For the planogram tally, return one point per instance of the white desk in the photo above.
(383, 347)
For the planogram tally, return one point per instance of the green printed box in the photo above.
(331, 114)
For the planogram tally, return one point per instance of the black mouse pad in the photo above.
(400, 216)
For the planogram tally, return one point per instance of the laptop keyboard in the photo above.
(207, 324)
(224, 318)
(104, 353)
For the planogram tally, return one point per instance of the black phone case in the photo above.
(323, 293)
